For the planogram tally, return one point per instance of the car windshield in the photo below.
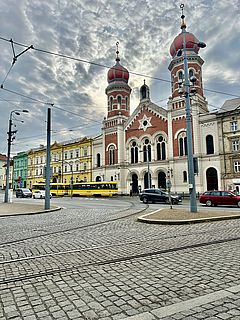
(25, 190)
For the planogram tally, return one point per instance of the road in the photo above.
(93, 260)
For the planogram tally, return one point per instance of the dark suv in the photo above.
(157, 195)
(23, 193)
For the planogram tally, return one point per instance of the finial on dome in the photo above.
(117, 52)
(183, 25)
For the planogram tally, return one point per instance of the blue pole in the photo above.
(191, 177)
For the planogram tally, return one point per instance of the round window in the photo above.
(145, 123)
(160, 139)
(146, 141)
(134, 144)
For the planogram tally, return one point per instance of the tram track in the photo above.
(80, 227)
(29, 276)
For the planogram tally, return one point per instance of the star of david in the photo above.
(145, 123)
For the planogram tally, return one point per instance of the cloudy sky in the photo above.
(88, 30)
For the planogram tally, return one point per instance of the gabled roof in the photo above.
(159, 111)
(230, 105)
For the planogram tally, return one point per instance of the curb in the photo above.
(186, 221)
(30, 212)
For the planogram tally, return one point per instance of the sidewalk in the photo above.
(12, 209)
(184, 216)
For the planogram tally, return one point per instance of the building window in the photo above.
(71, 167)
(77, 153)
(119, 102)
(65, 155)
(85, 167)
(85, 151)
(161, 148)
(182, 144)
(36, 172)
(36, 160)
(111, 154)
(209, 144)
(147, 151)
(98, 160)
(180, 75)
(233, 126)
(85, 179)
(237, 166)
(134, 152)
(191, 73)
(55, 157)
(77, 166)
(65, 168)
(110, 103)
(127, 103)
(71, 155)
(184, 176)
(235, 145)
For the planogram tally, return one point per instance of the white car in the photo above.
(39, 194)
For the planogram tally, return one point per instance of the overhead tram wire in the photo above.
(103, 66)
(50, 104)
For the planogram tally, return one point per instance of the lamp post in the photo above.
(10, 140)
(191, 177)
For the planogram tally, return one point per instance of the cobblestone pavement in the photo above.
(62, 266)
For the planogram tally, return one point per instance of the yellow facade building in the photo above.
(71, 161)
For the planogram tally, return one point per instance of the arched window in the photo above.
(161, 148)
(191, 73)
(184, 176)
(98, 160)
(209, 144)
(143, 92)
(180, 75)
(111, 103)
(147, 151)
(119, 102)
(182, 144)
(111, 155)
(134, 152)
(127, 102)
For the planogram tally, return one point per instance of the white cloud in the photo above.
(89, 30)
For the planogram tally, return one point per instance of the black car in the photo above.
(23, 193)
(157, 195)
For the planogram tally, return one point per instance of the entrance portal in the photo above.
(212, 179)
(161, 180)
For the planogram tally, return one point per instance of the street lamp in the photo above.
(10, 139)
(187, 93)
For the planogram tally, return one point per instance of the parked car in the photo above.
(40, 194)
(23, 193)
(157, 195)
(215, 198)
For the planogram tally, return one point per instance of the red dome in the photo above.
(118, 73)
(178, 43)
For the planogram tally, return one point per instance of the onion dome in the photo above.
(118, 72)
(191, 40)
(190, 45)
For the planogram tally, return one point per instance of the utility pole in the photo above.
(10, 140)
(48, 161)
(10, 134)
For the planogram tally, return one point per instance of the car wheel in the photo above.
(145, 200)
(209, 203)
(33, 197)
(238, 204)
(167, 201)
(40, 197)
(16, 196)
